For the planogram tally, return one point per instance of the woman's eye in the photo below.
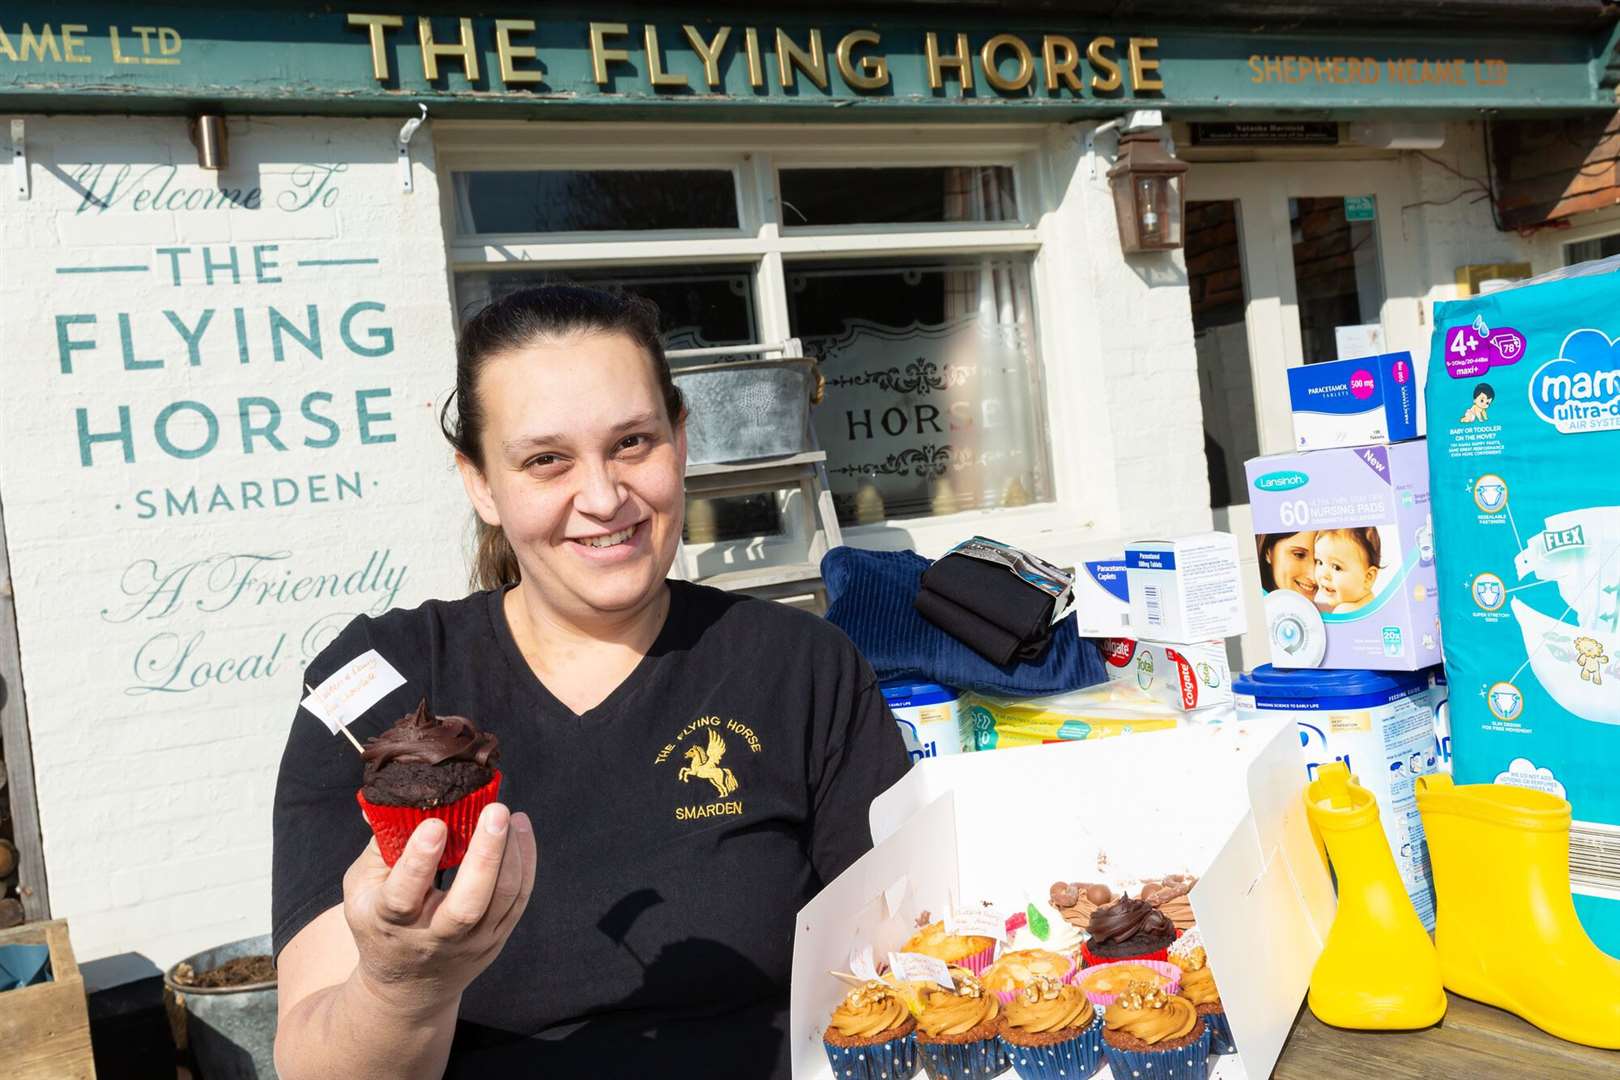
(633, 442)
(541, 460)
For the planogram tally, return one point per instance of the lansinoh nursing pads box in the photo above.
(1524, 448)
(1346, 555)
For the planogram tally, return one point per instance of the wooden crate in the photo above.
(45, 1029)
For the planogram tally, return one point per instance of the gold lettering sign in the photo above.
(507, 52)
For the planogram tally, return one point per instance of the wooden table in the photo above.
(1473, 1042)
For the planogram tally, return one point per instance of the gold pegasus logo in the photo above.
(705, 765)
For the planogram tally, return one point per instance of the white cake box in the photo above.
(1223, 802)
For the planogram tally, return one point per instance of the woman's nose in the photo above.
(599, 495)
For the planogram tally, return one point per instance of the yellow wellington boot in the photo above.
(1505, 925)
(1378, 969)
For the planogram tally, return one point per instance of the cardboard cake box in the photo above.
(1222, 802)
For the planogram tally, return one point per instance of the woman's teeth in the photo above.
(611, 539)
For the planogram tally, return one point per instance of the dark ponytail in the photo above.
(513, 322)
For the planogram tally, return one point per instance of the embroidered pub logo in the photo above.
(702, 746)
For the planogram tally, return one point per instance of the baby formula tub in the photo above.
(1380, 724)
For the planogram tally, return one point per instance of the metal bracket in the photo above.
(1135, 120)
(407, 133)
(19, 158)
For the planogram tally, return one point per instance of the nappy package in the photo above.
(1346, 552)
(1353, 402)
(1524, 438)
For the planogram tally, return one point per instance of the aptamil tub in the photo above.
(931, 723)
(1380, 724)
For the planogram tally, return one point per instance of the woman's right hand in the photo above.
(419, 947)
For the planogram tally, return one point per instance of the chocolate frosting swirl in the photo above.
(1127, 917)
(420, 738)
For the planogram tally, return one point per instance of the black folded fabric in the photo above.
(983, 637)
(995, 594)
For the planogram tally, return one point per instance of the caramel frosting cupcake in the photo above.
(1077, 900)
(869, 1036)
(1045, 1011)
(1198, 986)
(957, 1030)
(965, 950)
(1169, 895)
(1148, 1032)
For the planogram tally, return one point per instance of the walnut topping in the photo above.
(1041, 988)
(873, 993)
(1143, 995)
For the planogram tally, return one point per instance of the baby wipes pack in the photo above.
(1524, 440)
(1346, 551)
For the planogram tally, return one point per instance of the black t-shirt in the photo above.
(659, 938)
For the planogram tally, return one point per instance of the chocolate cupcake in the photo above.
(1128, 929)
(426, 761)
(428, 766)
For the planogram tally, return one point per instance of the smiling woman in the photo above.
(690, 766)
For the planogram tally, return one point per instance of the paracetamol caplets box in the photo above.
(1343, 403)
(1346, 550)
(1523, 405)
(1102, 598)
(1185, 590)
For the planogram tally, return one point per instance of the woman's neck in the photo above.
(553, 642)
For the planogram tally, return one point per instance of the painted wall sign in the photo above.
(281, 55)
(217, 445)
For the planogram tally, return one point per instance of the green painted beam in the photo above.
(280, 58)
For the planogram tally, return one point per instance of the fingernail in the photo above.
(429, 833)
(520, 822)
(495, 819)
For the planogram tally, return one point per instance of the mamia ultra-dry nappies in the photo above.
(1524, 437)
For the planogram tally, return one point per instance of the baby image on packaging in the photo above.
(1336, 569)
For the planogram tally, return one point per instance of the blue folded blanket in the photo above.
(870, 595)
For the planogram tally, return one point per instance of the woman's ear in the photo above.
(472, 479)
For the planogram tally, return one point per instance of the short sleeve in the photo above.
(316, 826)
(862, 757)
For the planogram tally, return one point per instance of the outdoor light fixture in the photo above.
(208, 133)
(1148, 193)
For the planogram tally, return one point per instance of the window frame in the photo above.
(755, 152)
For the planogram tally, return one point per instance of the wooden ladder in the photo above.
(798, 582)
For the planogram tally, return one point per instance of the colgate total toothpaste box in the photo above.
(1185, 677)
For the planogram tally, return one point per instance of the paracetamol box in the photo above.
(1185, 590)
(1354, 402)
(1185, 677)
(1346, 550)
(1523, 404)
(1102, 598)
(931, 721)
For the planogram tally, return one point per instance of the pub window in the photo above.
(1599, 247)
(912, 282)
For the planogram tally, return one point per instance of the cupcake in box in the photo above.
(1039, 926)
(1150, 1033)
(1128, 929)
(1016, 969)
(1051, 1032)
(1103, 983)
(957, 1031)
(964, 950)
(872, 1035)
(428, 766)
(1078, 901)
(1169, 895)
(1198, 987)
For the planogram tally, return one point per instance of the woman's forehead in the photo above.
(576, 384)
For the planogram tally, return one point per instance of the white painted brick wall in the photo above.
(155, 807)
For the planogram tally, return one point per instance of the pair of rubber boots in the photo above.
(1506, 932)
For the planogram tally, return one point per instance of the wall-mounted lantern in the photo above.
(1148, 193)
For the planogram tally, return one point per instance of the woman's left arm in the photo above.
(861, 756)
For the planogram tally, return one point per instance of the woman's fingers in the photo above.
(522, 844)
(469, 896)
(407, 886)
(517, 874)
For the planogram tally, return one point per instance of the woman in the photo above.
(658, 935)
(1288, 561)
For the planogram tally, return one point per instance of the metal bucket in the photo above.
(747, 409)
(231, 1030)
